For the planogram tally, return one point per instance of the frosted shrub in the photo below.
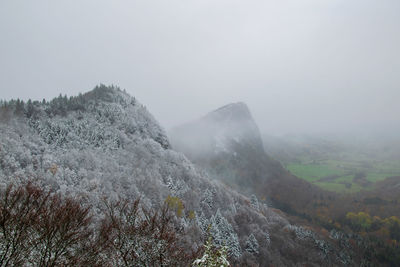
(212, 256)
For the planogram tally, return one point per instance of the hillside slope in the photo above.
(106, 144)
(228, 144)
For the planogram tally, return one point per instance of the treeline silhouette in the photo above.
(57, 106)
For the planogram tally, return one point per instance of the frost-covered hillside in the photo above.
(227, 143)
(105, 143)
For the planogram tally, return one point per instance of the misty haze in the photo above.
(235, 133)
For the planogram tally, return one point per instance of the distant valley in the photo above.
(339, 163)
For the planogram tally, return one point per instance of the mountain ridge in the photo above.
(243, 162)
(105, 143)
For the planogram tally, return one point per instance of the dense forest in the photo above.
(103, 149)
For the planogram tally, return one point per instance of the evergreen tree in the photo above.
(252, 245)
(223, 234)
(267, 238)
(19, 107)
(254, 202)
(29, 109)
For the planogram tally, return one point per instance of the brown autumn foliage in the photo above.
(40, 228)
(43, 229)
(136, 236)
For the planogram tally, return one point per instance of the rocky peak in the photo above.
(231, 112)
(218, 132)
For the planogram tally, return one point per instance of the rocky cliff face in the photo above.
(228, 134)
(218, 131)
(227, 143)
(105, 143)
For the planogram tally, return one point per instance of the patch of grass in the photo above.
(313, 172)
(391, 167)
(376, 177)
(331, 186)
(344, 170)
(339, 187)
(346, 178)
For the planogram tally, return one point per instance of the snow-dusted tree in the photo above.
(207, 200)
(252, 245)
(254, 202)
(267, 238)
(233, 208)
(223, 234)
(213, 256)
(202, 223)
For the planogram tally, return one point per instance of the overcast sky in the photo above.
(300, 65)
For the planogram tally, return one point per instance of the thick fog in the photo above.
(300, 65)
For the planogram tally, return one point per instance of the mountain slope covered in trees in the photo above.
(228, 144)
(106, 145)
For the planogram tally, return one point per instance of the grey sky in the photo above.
(300, 65)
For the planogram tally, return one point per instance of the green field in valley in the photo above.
(340, 163)
(344, 176)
